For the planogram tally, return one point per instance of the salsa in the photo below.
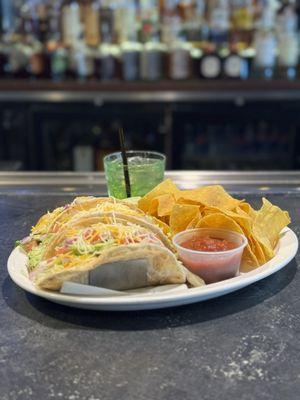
(206, 243)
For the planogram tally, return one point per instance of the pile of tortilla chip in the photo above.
(212, 207)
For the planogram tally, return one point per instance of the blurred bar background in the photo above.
(212, 84)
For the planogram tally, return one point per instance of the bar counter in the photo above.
(243, 346)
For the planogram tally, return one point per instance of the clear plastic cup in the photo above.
(211, 266)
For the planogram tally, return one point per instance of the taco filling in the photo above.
(85, 244)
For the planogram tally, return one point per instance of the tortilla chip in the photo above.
(245, 208)
(249, 260)
(183, 200)
(211, 196)
(166, 187)
(257, 250)
(165, 205)
(267, 225)
(219, 220)
(165, 228)
(194, 222)
(181, 216)
(161, 206)
(243, 220)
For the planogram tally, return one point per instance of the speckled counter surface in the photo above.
(241, 346)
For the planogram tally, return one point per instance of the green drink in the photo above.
(146, 170)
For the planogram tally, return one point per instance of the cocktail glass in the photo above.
(146, 170)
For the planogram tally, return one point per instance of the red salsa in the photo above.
(206, 243)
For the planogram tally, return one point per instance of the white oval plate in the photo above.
(286, 251)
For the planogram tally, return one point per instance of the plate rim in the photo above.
(212, 290)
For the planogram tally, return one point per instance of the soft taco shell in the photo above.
(162, 267)
(94, 217)
(86, 204)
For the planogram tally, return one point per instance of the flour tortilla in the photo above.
(91, 218)
(87, 204)
(162, 267)
(161, 263)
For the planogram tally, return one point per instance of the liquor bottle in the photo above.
(107, 62)
(149, 20)
(38, 61)
(17, 53)
(210, 64)
(130, 55)
(91, 22)
(235, 64)
(242, 22)
(288, 43)
(180, 62)
(71, 24)
(195, 27)
(130, 48)
(9, 19)
(106, 22)
(265, 43)
(248, 56)
(29, 22)
(82, 60)
(3, 58)
(56, 52)
(54, 32)
(153, 60)
(42, 23)
(58, 58)
(196, 54)
(219, 21)
(179, 54)
(122, 14)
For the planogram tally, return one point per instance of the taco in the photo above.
(113, 251)
(52, 222)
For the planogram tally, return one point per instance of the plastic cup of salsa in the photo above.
(217, 259)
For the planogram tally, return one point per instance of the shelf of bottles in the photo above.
(149, 40)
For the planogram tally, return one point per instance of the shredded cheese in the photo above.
(86, 243)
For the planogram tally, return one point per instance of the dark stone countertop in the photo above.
(242, 346)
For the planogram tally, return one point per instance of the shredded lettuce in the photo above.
(35, 256)
(80, 249)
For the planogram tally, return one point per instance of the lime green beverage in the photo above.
(146, 170)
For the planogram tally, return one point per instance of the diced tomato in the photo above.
(95, 238)
(31, 245)
(61, 250)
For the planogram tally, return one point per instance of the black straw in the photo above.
(125, 162)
